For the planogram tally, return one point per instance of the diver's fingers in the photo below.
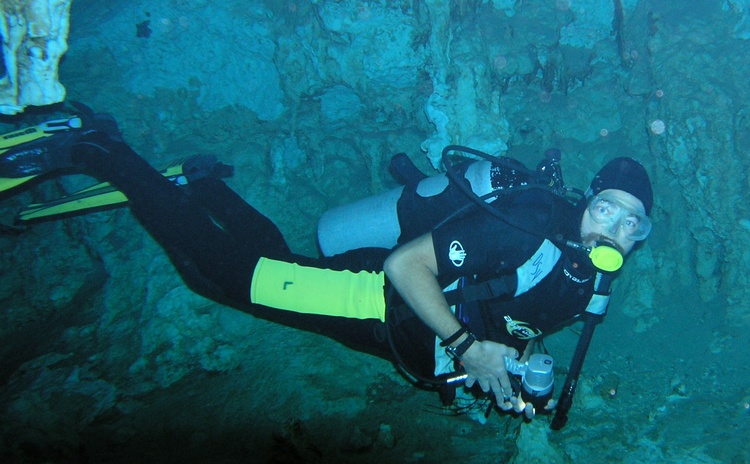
(529, 411)
(550, 404)
(486, 385)
(495, 385)
(505, 403)
(504, 382)
(518, 405)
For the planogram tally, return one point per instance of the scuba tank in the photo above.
(405, 212)
(369, 222)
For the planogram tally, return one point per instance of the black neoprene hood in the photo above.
(628, 175)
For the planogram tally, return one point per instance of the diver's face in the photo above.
(615, 218)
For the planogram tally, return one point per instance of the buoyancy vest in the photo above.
(542, 295)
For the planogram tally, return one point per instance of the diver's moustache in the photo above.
(600, 239)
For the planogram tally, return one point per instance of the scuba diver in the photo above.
(451, 277)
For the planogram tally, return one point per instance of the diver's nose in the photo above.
(613, 228)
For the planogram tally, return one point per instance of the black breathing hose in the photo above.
(571, 381)
(601, 287)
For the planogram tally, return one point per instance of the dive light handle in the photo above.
(536, 373)
(511, 365)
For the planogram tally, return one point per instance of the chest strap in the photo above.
(487, 290)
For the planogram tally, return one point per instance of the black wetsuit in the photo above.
(215, 240)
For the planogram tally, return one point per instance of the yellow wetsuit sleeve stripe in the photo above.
(311, 290)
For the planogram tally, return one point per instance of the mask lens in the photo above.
(613, 214)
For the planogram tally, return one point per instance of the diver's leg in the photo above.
(237, 217)
(220, 262)
(208, 258)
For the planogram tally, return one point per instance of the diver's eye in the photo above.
(605, 208)
(631, 223)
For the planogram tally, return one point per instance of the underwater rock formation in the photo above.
(33, 36)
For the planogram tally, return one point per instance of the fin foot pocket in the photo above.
(102, 195)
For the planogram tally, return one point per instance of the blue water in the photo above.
(107, 357)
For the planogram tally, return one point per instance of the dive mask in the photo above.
(612, 213)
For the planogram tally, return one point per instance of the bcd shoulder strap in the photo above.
(486, 290)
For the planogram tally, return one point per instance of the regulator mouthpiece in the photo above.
(606, 258)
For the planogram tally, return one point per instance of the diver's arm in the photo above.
(412, 269)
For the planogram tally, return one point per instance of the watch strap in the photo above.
(460, 350)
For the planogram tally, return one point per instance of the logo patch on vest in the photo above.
(520, 330)
(575, 279)
(456, 253)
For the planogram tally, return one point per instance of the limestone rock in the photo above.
(33, 34)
